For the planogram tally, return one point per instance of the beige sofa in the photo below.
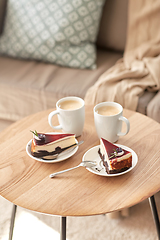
(28, 86)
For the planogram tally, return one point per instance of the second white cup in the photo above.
(71, 115)
(108, 117)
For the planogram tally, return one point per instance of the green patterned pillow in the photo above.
(57, 31)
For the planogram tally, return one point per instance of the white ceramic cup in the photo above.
(109, 125)
(71, 115)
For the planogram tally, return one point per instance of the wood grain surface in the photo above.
(25, 181)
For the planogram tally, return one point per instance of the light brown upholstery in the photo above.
(153, 108)
(113, 26)
(144, 101)
(27, 87)
(4, 124)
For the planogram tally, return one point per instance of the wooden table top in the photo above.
(25, 181)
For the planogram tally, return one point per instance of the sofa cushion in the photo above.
(113, 25)
(61, 31)
(27, 87)
(3, 4)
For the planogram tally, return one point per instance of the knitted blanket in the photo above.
(139, 69)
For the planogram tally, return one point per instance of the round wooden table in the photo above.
(26, 183)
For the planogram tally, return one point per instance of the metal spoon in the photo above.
(82, 164)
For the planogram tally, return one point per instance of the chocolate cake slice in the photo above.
(115, 159)
(48, 144)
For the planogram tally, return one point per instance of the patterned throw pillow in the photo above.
(57, 31)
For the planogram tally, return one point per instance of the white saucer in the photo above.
(92, 154)
(63, 156)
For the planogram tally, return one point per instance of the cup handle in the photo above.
(121, 118)
(50, 120)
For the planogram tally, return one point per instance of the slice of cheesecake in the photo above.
(48, 144)
(115, 159)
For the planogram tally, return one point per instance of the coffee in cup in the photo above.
(108, 117)
(71, 115)
(70, 104)
(108, 110)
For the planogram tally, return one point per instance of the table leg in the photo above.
(155, 214)
(14, 208)
(63, 228)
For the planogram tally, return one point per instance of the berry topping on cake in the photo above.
(39, 137)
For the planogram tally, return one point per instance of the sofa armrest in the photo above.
(144, 101)
(153, 108)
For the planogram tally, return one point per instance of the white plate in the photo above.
(63, 156)
(92, 154)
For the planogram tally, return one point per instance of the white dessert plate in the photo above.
(63, 156)
(92, 154)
